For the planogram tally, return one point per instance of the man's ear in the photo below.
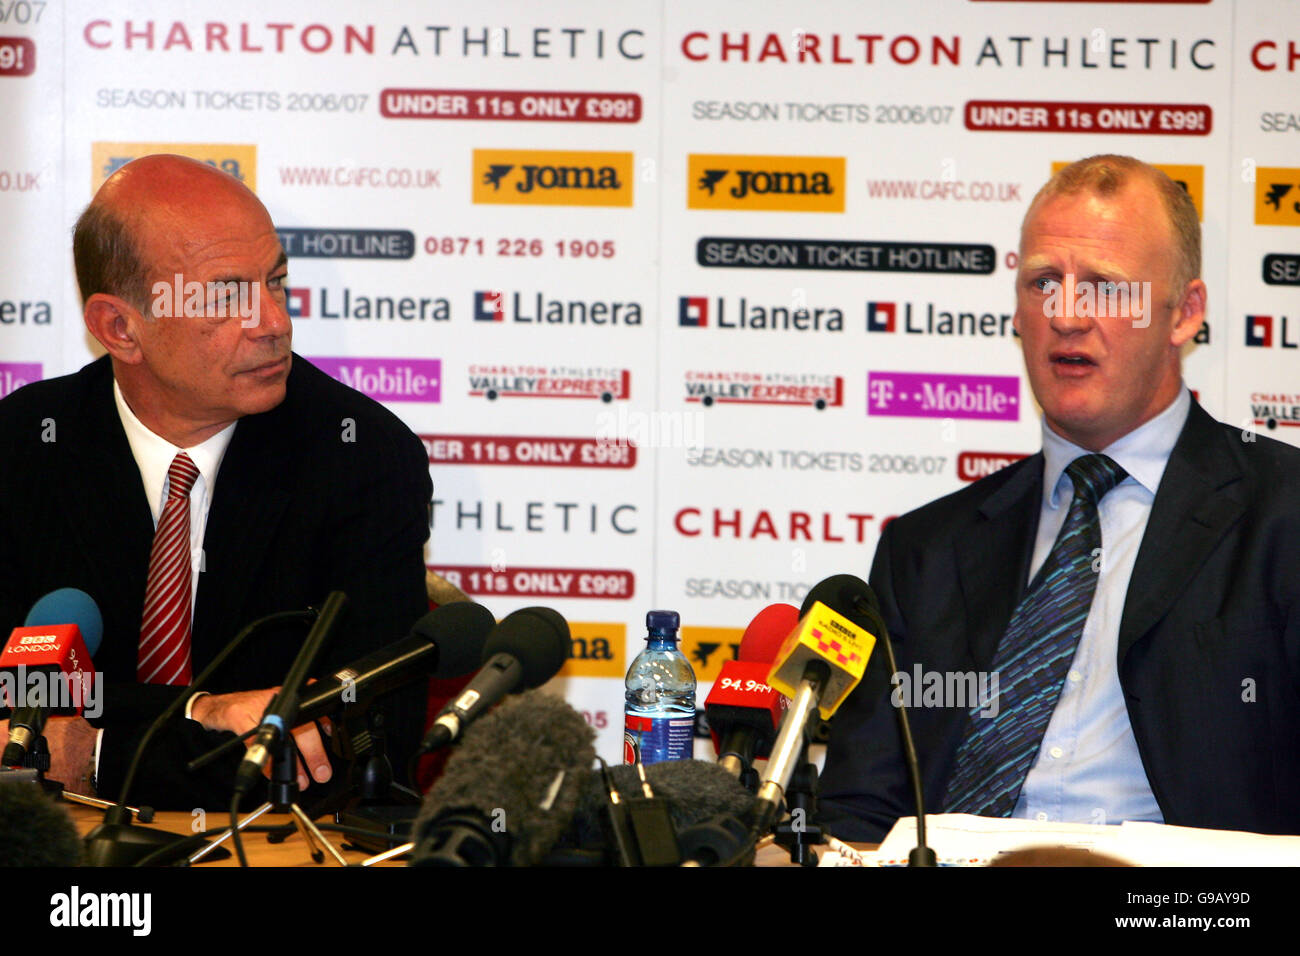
(114, 323)
(1189, 315)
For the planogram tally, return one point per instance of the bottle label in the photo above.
(655, 739)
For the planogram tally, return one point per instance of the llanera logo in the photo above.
(547, 177)
(1260, 331)
(933, 395)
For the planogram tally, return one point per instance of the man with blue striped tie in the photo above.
(1134, 587)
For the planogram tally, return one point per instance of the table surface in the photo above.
(293, 851)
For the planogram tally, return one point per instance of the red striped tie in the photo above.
(165, 626)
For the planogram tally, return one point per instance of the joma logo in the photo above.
(762, 182)
(786, 183)
(552, 177)
(556, 177)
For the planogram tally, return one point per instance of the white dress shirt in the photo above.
(1088, 768)
(153, 457)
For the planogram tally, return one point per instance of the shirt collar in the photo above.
(1143, 453)
(153, 454)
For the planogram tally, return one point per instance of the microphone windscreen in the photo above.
(763, 638)
(70, 606)
(846, 594)
(538, 637)
(698, 790)
(34, 830)
(522, 766)
(695, 790)
(459, 631)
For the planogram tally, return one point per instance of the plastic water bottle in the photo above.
(659, 716)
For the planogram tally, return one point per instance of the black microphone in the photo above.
(849, 595)
(846, 594)
(819, 664)
(525, 650)
(281, 714)
(510, 789)
(446, 642)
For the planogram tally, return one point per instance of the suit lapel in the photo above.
(993, 557)
(252, 490)
(1199, 498)
(113, 527)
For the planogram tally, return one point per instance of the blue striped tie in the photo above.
(1034, 655)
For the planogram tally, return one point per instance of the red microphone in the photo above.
(744, 711)
(45, 667)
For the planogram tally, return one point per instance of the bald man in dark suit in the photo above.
(300, 485)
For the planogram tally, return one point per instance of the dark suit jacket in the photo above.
(1209, 643)
(327, 491)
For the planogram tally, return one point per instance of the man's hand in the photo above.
(242, 711)
(72, 751)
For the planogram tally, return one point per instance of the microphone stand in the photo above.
(116, 841)
(371, 799)
(798, 833)
(282, 797)
(921, 855)
(370, 779)
(281, 749)
(35, 763)
(370, 785)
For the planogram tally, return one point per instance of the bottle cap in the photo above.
(662, 623)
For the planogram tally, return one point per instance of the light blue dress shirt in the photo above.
(1088, 769)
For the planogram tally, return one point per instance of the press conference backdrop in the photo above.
(686, 299)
